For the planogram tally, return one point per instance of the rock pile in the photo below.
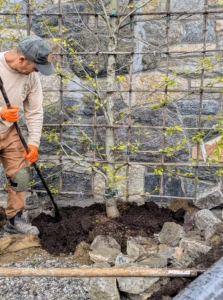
(173, 247)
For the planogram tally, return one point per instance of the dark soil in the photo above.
(84, 224)
(176, 285)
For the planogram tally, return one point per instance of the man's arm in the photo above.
(33, 111)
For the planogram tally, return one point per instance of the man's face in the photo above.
(26, 66)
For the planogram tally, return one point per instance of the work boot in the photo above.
(19, 225)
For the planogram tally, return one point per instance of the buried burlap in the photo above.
(17, 242)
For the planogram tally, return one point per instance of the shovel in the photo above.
(57, 213)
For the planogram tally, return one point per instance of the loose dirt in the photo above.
(71, 238)
(84, 224)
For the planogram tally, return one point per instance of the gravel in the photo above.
(52, 288)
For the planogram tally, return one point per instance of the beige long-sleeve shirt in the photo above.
(23, 90)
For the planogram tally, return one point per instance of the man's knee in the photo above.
(20, 181)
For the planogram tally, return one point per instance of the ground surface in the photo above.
(71, 237)
(84, 224)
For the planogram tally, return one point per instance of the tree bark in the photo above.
(111, 207)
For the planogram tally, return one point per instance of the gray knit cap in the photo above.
(38, 51)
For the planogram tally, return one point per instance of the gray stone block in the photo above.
(209, 198)
(70, 22)
(155, 32)
(189, 187)
(209, 107)
(76, 181)
(205, 218)
(204, 173)
(172, 186)
(171, 234)
(193, 32)
(190, 122)
(51, 176)
(186, 5)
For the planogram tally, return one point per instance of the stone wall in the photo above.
(185, 63)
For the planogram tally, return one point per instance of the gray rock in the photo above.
(104, 255)
(150, 61)
(154, 262)
(209, 107)
(104, 241)
(122, 260)
(156, 34)
(148, 293)
(70, 22)
(172, 185)
(151, 117)
(194, 246)
(206, 176)
(187, 186)
(137, 246)
(194, 235)
(209, 198)
(103, 289)
(220, 40)
(79, 181)
(190, 122)
(50, 174)
(186, 259)
(218, 213)
(212, 230)
(135, 285)
(184, 5)
(31, 201)
(171, 234)
(166, 252)
(80, 41)
(205, 218)
(193, 32)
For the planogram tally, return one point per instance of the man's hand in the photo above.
(32, 155)
(10, 114)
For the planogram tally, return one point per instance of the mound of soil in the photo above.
(84, 224)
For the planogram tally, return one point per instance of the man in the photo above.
(18, 70)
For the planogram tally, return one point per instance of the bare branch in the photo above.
(134, 10)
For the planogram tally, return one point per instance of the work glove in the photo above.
(10, 114)
(32, 155)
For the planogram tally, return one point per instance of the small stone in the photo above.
(104, 255)
(194, 246)
(216, 240)
(103, 288)
(194, 235)
(135, 285)
(219, 25)
(178, 253)
(154, 262)
(104, 241)
(205, 218)
(212, 230)
(171, 234)
(165, 251)
(122, 259)
(137, 246)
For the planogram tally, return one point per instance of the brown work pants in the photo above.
(11, 150)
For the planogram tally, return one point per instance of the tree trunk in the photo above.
(111, 207)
